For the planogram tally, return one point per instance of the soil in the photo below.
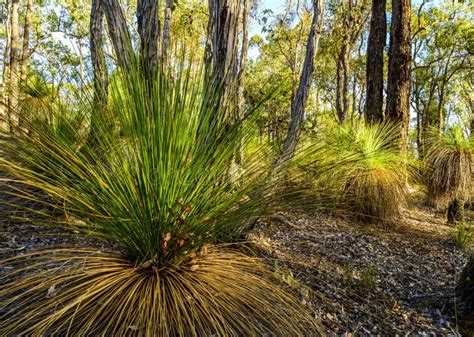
(363, 279)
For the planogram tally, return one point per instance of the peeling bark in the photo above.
(118, 33)
(149, 29)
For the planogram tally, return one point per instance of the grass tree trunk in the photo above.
(99, 65)
(14, 70)
(299, 103)
(455, 212)
(399, 65)
(118, 33)
(149, 29)
(375, 62)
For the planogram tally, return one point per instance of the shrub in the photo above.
(157, 186)
(462, 234)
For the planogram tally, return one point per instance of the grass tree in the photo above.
(370, 173)
(159, 192)
(449, 176)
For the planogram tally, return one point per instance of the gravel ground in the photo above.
(369, 280)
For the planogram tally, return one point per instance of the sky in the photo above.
(255, 29)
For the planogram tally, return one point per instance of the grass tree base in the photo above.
(88, 292)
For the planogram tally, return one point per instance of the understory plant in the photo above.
(462, 234)
(449, 169)
(369, 172)
(157, 185)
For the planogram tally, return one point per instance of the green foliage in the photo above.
(369, 172)
(449, 162)
(462, 234)
(158, 185)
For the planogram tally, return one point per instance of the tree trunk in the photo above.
(375, 63)
(399, 59)
(223, 48)
(299, 103)
(6, 73)
(242, 68)
(149, 29)
(99, 66)
(455, 211)
(342, 83)
(243, 57)
(25, 56)
(14, 73)
(118, 33)
(166, 30)
(472, 119)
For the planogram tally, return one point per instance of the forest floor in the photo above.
(358, 279)
(363, 279)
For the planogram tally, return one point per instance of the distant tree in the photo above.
(25, 55)
(351, 18)
(99, 65)
(170, 6)
(14, 77)
(6, 66)
(299, 101)
(441, 68)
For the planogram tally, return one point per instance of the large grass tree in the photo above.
(159, 193)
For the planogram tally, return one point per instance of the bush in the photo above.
(158, 186)
(462, 234)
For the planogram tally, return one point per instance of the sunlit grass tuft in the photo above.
(369, 172)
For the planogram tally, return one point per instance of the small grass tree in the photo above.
(369, 172)
(449, 174)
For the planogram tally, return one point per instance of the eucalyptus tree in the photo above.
(375, 61)
(299, 102)
(442, 62)
(349, 23)
(399, 68)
